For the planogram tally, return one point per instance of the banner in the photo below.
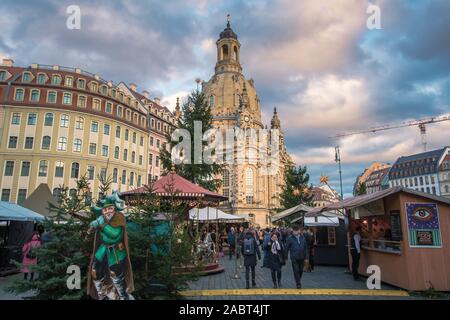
(423, 225)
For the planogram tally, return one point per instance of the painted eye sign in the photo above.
(422, 214)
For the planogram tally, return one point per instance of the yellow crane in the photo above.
(419, 123)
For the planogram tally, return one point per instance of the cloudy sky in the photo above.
(315, 60)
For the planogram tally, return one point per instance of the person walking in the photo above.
(231, 242)
(250, 251)
(266, 239)
(297, 247)
(356, 252)
(310, 240)
(240, 241)
(275, 258)
(29, 256)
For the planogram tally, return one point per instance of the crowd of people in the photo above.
(273, 247)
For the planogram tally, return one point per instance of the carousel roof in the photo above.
(174, 184)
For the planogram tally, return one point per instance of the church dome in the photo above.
(228, 33)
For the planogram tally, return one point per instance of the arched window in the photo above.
(79, 123)
(48, 119)
(133, 157)
(64, 123)
(19, 95)
(235, 53)
(225, 51)
(62, 144)
(114, 177)
(57, 193)
(34, 96)
(124, 176)
(249, 185)
(46, 141)
(211, 101)
(77, 143)
(116, 152)
(75, 170)
(131, 178)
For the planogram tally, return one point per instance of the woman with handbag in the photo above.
(29, 256)
(276, 259)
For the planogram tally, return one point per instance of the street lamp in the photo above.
(337, 158)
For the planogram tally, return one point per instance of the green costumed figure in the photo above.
(110, 274)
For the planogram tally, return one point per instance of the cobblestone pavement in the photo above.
(323, 277)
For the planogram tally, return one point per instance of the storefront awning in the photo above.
(13, 212)
(212, 214)
(320, 221)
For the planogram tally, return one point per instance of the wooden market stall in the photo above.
(404, 232)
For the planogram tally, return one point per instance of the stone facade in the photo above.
(235, 103)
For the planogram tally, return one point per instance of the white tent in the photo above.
(212, 214)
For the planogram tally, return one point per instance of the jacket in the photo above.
(298, 249)
(250, 260)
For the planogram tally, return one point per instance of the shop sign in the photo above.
(423, 225)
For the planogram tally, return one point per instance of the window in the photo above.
(125, 154)
(64, 121)
(79, 123)
(43, 168)
(9, 168)
(77, 145)
(93, 148)
(19, 95)
(150, 159)
(140, 160)
(104, 151)
(56, 80)
(133, 156)
(26, 77)
(25, 172)
(103, 174)
(158, 126)
(57, 194)
(48, 120)
(226, 178)
(12, 144)
(432, 179)
(81, 83)
(59, 169)
(117, 132)
(249, 185)
(2, 75)
(158, 143)
(248, 199)
(96, 104)
(119, 112)
(157, 161)
(32, 118)
(211, 101)
(139, 180)
(69, 81)
(15, 119)
(116, 152)
(108, 107)
(446, 189)
(131, 178)
(51, 97)
(6, 194)
(75, 170)
(124, 176)
(434, 190)
(91, 172)
(141, 142)
(29, 143)
(134, 137)
(46, 141)
(21, 196)
(114, 176)
(34, 96)
(67, 98)
(106, 129)
(151, 141)
(104, 90)
(81, 102)
(126, 134)
(94, 126)
(62, 144)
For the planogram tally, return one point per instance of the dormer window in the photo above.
(56, 80)
(94, 86)
(81, 83)
(26, 77)
(104, 90)
(121, 96)
(42, 78)
(113, 93)
(69, 81)
(2, 75)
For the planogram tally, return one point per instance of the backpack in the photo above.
(249, 247)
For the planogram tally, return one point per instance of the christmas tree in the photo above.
(195, 108)
(296, 189)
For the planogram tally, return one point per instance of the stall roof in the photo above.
(203, 215)
(14, 212)
(320, 221)
(359, 201)
(291, 211)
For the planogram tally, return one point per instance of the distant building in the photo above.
(324, 195)
(420, 171)
(375, 166)
(444, 176)
(377, 180)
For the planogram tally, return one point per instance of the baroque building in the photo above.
(58, 123)
(253, 189)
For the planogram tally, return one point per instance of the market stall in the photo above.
(404, 232)
(16, 227)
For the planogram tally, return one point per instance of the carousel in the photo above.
(173, 187)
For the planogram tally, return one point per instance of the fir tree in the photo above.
(360, 189)
(296, 189)
(195, 108)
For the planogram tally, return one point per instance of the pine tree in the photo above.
(195, 108)
(296, 189)
(67, 245)
(360, 189)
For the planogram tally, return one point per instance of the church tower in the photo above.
(234, 103)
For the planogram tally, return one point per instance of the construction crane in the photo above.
(420, 123)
